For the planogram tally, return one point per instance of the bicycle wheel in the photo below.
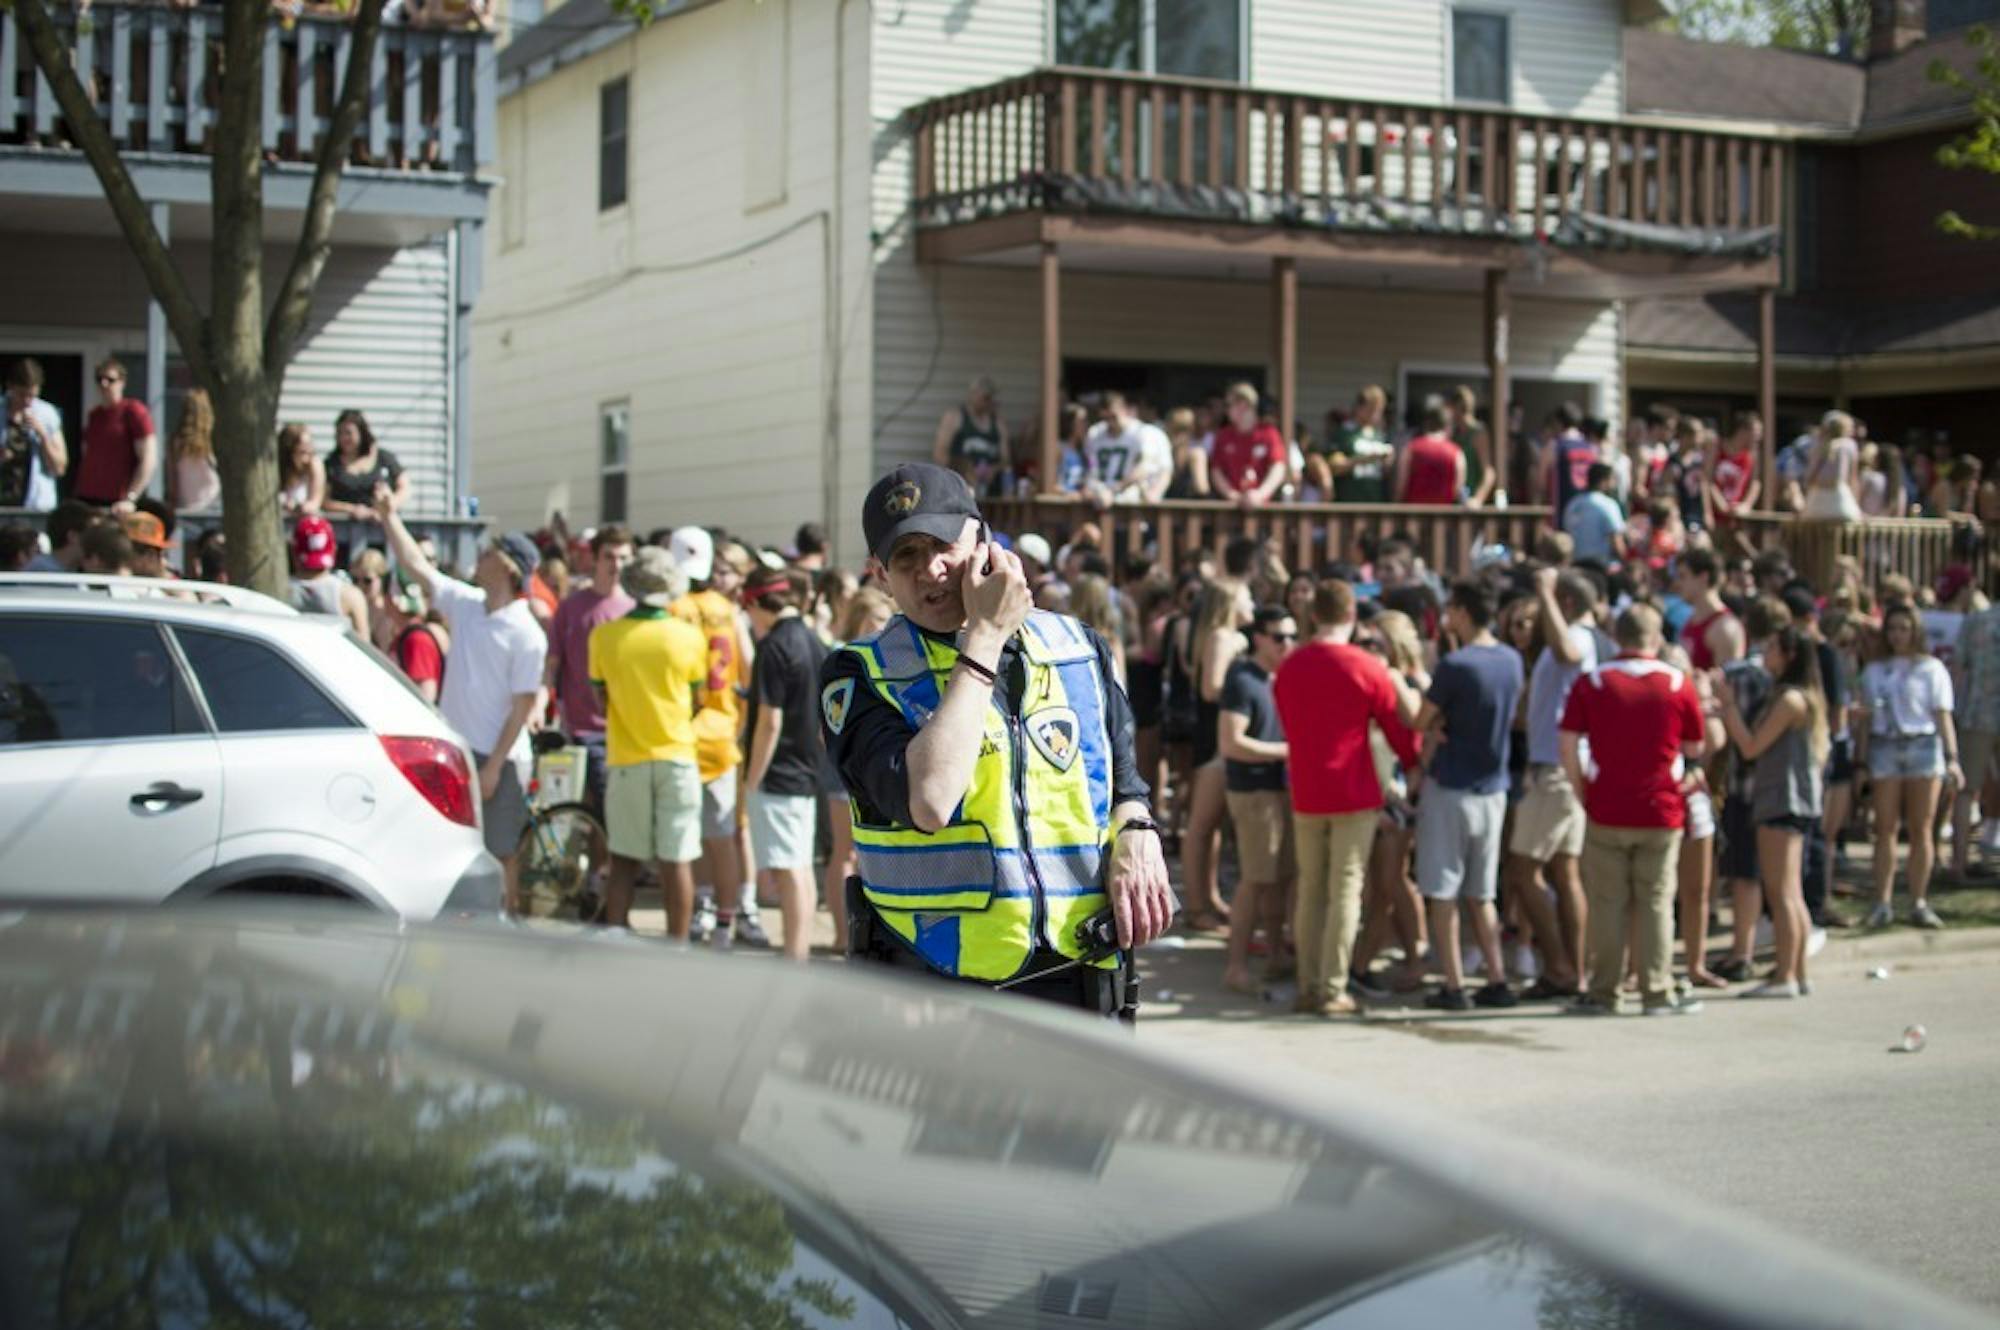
(564, 858)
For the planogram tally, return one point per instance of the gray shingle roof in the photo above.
(1667, 74)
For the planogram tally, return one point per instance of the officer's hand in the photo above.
(1000, 599)
(1142, 900)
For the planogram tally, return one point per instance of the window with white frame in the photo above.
(1481, 57)
(1179, 38)
(614, 457)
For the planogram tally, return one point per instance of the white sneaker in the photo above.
(1815, 942)
(1771, 988)
(703, 922)
(721, 939)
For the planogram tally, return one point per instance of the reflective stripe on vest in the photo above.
(1022, 853)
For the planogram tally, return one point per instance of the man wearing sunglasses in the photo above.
(120, 448)
(990, 762)
(1252, 741)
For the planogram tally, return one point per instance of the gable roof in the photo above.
(1674, 75)
(1667, 74)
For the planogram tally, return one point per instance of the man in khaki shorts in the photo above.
(1549, 820)
(1252, 743)
(646, 666)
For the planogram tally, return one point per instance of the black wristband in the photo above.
(1136, 824)
(978, 669)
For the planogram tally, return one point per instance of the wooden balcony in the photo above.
(1106, 148)
(151, 72)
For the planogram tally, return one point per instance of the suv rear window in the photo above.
(64, 680)
(251, 688)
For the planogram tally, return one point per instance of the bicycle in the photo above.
(564, 851)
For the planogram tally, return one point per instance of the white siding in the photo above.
(1565, 52)
(987, 320)
(378, 341)
(928, 48)
(708, 316)
(1567, 58)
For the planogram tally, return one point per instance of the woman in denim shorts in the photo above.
(1905, 736)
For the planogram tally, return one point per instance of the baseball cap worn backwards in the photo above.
(694, 550)
(918, 498)
(520, 551)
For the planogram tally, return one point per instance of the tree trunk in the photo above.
(236, 351)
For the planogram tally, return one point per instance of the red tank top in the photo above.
(1694, 637)
(1433, 470)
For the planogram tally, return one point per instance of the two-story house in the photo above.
(389, 329)
(749, 254)
(1881, 311)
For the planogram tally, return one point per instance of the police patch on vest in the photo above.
(835, 701)
(1053, 733)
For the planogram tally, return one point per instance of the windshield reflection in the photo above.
(274, 1126)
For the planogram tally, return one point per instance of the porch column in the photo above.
(1499, 397)
(468, 274)
(1051, 460)
(156, 363)
(1285, 340)
(1767, 387)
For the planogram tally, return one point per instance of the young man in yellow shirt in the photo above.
(646, 667)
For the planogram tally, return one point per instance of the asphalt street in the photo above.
(1795, 1113)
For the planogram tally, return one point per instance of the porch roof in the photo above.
(1822, 328)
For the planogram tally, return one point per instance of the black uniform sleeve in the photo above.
(1127, 785)
(866, 739)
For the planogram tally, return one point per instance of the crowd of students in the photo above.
(1399, 757)
(1669, 473)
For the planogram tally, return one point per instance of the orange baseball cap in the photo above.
(146, 529)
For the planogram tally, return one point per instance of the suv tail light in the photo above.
(437, 767)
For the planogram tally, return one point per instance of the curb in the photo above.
(1906, 942)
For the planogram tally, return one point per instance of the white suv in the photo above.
(164, 749)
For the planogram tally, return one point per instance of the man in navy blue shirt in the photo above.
(1570, 458)
(1464, 800)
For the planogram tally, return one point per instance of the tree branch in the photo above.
(189, 326)
(288, 315)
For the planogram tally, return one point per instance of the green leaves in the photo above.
(1978, 148)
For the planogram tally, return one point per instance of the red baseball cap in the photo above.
(312, 543)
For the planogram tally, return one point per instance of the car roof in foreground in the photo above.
(312, 1117)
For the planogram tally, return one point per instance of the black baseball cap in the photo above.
(918, 498)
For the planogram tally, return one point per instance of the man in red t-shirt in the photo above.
(1430, 468)
(1327, 691)
(120, 449)
(1645, 727)
(1248, 464)
(1732, 485)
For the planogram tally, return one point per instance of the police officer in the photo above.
(988, 756)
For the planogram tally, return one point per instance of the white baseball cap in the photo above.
(694, 550)
(1034, 547)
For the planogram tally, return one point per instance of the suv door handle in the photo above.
(162, 795)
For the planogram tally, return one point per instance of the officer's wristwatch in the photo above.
(1137, 824)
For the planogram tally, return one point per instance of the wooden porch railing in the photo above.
(1311, 535)
(151, 71)
(1917, 547)
(1073, 139)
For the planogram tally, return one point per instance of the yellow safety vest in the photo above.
(1020, 859)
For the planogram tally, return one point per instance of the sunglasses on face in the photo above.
(109, 378)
